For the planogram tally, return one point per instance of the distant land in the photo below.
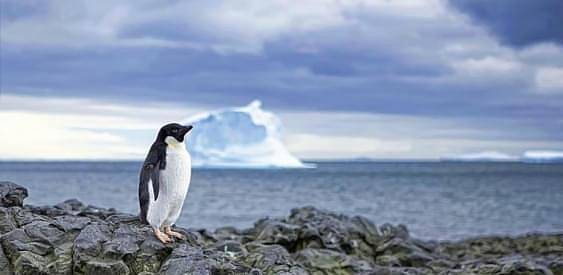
(544, 156)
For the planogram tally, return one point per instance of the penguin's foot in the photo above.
(174, 234)
(161, 236)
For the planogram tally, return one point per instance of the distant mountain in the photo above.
(482, 156)
(494, 156)
(543, 156)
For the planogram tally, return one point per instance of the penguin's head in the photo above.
(173, 132)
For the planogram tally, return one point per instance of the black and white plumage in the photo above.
(164, 180)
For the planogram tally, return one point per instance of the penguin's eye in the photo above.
(174, 131)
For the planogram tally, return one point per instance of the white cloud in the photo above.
(56, 128)
(42, 136)
(550, 80)
(242, 26)
(487, 65)
(329, 135)
(322, 146)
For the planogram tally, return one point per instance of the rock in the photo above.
(74, 238)
(62, 263)
(5, 268)
(30, 263)
(272, 259)
(106, 267)
(273, 231)
(149, 257)
(187, 259)
(88, 246)
(324, 261)
(44, 232)
(230, 246)
(7, 222)
(309, 227)
(71, 223)
(11, 194)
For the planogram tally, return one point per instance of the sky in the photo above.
(385, 79)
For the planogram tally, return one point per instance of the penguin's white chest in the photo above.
(175, 177)
(174, 184)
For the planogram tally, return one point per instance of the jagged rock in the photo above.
(71, 223)
(186, 259)
(538, 244)
(30, 263)
(62, 263)
(323, 261)
(106, 267)
(272, 259)
(7, 222)
(73, 238)
(5, 268)
(11, 194)
(308, 227)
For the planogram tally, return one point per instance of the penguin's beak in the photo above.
(187, 128)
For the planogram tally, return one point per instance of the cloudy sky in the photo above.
(353, 78)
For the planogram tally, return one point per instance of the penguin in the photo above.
(164, 181)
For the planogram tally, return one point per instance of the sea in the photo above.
(435, 200)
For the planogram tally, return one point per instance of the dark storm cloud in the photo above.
(282, 77)
(375, 62)
(13, 9)
(517, 22)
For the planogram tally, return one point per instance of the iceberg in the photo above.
(483, 156)
(543, 156)
(240, 137)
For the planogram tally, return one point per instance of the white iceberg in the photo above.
(483, 156)
(543, 156)
(242, 137)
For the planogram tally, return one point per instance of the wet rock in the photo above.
(30, 263)
(227, 233)
(272, 259)
(5, 268)
(309, 227)
(402, 252)
(72, 206)
(150, 256)
(71, 223)
(272, 231)
(17, 242)
(230, 246)
(11, 194)
(323, 261)
(62, 263)
(106, 267)
(7, 222)
(88, 245)
(187, 259)
(44, 232)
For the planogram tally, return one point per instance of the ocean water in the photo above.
(435, 200)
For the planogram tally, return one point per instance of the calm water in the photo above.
(435, 200)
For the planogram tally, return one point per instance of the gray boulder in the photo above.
(11, 194)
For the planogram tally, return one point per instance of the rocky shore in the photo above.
(73, 238)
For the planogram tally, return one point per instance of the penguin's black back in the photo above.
(150, 172)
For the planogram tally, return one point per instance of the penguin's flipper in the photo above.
(150, 174)
(144, 195)
(155, 161)
(155, 178)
